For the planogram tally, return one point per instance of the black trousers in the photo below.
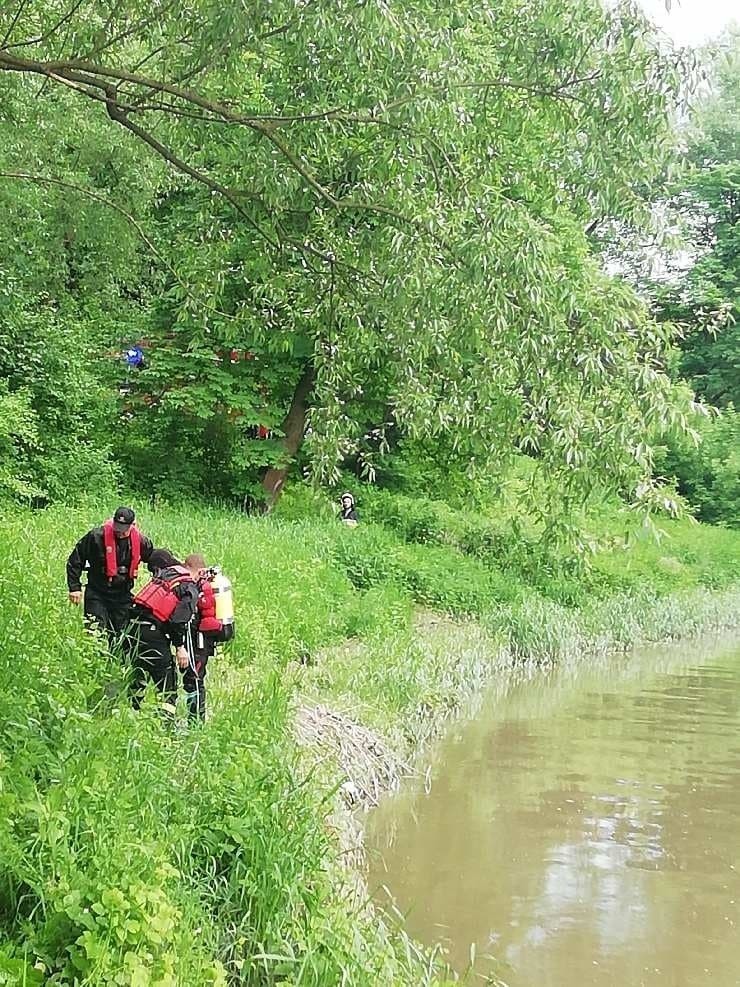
(150, 655)
(109, 613)
(193, 681)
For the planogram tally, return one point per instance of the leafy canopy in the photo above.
(390, 198)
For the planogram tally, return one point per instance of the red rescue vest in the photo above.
(111, 560)
(159, 596)
(208, 621)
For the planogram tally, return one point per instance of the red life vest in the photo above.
(111, 560)
(159, 596)
(208, 621)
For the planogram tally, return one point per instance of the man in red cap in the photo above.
(111, 554)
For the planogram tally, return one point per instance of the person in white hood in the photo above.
(348, 513)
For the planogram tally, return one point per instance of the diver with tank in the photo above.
(212, 625)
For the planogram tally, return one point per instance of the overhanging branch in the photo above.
(104, 84)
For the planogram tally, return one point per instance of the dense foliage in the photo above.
(705, 299)
(708, 472)
(369, 221)
(702, 295)
(354, 240)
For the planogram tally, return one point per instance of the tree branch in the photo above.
(81, 76)
(122, 35)
(553, 92)
(120, 115)
(100, 82)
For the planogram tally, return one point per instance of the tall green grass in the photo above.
(135, 854)
(131, 854)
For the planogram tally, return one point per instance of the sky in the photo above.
(692, 22)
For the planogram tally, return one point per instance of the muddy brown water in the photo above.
(583, 827)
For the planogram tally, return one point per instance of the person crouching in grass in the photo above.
(160, 620)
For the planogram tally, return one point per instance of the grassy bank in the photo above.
(133, 855)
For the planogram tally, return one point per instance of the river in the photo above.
(583, 827)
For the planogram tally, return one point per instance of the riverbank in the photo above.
(205, 857)
(373, 706)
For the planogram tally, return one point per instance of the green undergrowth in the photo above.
(512, 550)
(135, 854)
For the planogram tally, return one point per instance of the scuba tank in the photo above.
(224, 601)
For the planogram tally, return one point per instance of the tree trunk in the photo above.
(294, 429)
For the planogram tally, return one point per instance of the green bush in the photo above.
(367, 554)
(435, 575)
(708, 475)
(447, 580)
(301, 502)
(57, 418)
(18, 432)
(684, 555)
(415, 519)
(438, 554)
(504, 542)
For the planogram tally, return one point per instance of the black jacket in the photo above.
(89, 552)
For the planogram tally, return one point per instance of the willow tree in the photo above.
(384, 206)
